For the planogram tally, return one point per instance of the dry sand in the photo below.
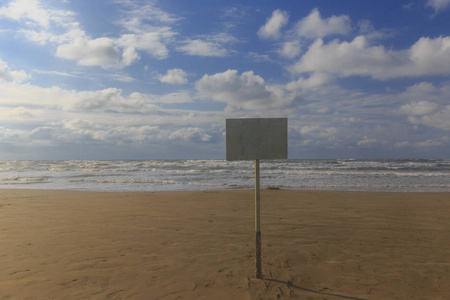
(200, 245)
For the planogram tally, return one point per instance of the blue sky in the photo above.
(128, 79)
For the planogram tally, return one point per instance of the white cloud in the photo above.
(42, 24)
(170, 98)
(56, 73)
(86, 117)
(438, 5)
(318, 131)
(247, 91)
(273, 25)
(363, 120)
(53, 117)
(17, 113)
(290, 49)
(366, 29)
(313, 26)
(145, 17)
(207, 45)
(426, 105)
(345, 58)
(174, 76)
(260, 57)
(203, 48)
(367, 142)
(234, 16)
(122, 77)
(426, 57)
(44, 36)
(438, 119)
(419, 108)
(42, 133)
(402, 144)
(7, 74)
(98, 52)
(65, 101)
(194, 134)
(224, 86)
(423, 91)
(315, 80)
(432, 142)
(28, 95)
(127, 134)
(30, 10)
(146, 29)
(176, 97)
(129, 56)
(153, 43)
(110, 98)
(8, 134)
(79, 124)
(80, 130)
(30, 100)
(429, 57)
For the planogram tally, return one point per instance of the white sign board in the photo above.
(250, 139)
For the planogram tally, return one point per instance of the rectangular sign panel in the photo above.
(250, 139)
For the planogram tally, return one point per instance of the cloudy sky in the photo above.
(130, 79)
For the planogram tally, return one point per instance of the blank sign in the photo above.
(249, 139)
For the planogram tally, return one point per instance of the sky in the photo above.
(130, 79)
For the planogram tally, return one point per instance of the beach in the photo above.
(200, 245)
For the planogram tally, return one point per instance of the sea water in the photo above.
(399, 175)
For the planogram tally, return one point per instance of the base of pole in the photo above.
(258, 254)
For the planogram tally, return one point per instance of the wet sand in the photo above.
(200, 245)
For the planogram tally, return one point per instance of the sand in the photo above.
(200, 245)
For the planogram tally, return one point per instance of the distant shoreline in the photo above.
(268, 188)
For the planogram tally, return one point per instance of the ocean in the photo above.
(396, 175)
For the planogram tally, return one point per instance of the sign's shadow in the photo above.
(290, 285)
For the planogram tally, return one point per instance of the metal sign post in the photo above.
(255, 139)
(257, 221)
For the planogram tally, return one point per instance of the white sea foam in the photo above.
(154, 175)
